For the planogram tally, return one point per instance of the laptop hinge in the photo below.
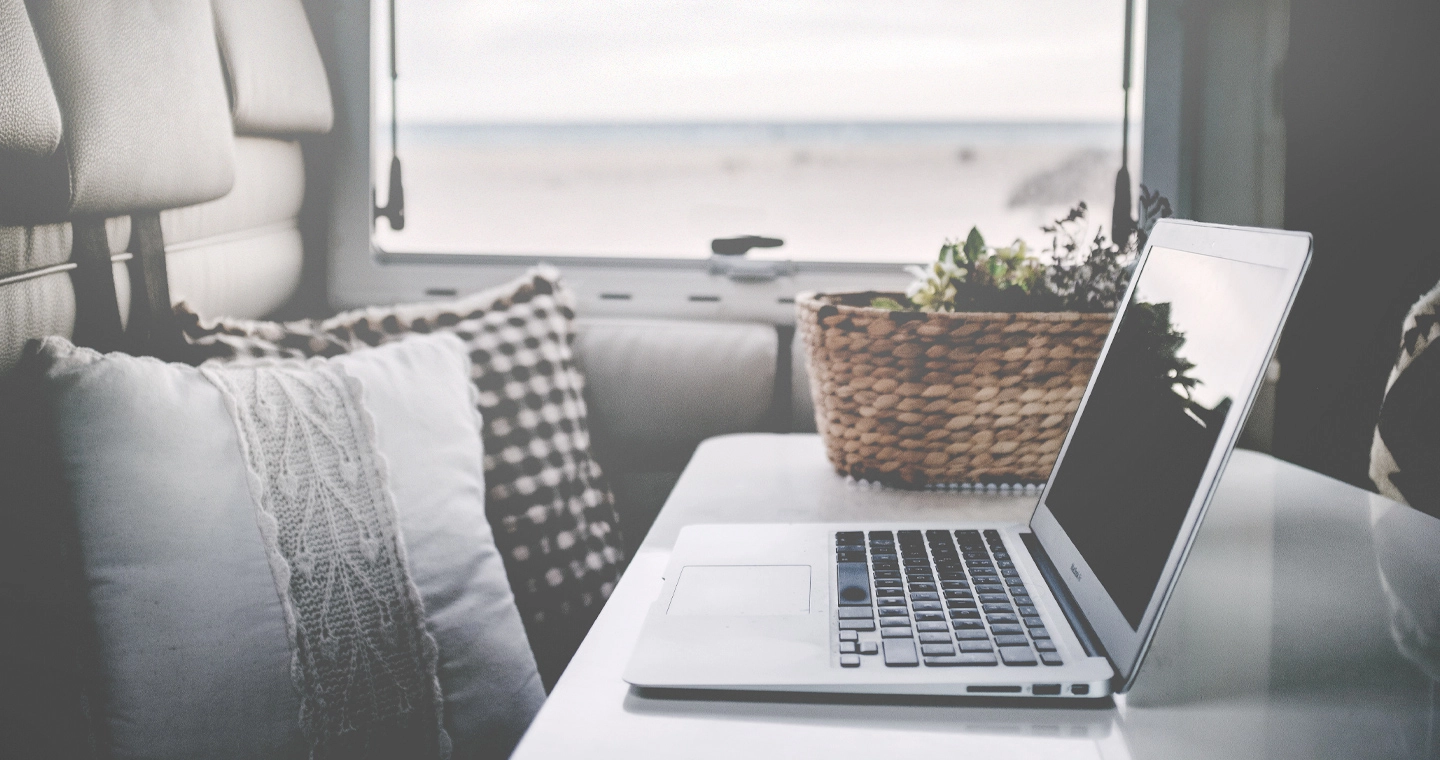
(1078, 623)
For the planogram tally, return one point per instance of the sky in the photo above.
(546, 61)
(1218, 304)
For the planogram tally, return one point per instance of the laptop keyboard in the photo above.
(937, 598)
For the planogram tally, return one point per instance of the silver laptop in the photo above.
(1064, 606)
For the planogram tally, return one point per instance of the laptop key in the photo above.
(900, 653)
(886, 583)
(988, 588)
(892, 601)
(961, 660)
(972, 635)
(966, 625)
(1013, 641)
(869, 647)
(1034, 622)
(975, 646)
(856, 613)
(931, 626)
(954, 584)
(1001, 619)
(921, 587)
(932, 616)
(892, 611)
(894, 622)
(1017, 656)
(853, 582)
(1021, 598)
(1006, 630)
(1050, 658)
(960, 604)
(847, 647)
(849, 661)
(923, 596)
(1039, 633)
(1029, 611)
(930, 637)
(1045, 645)
(932, 650)
(857, 625)
(896, 633)
(999, 608)
(927, 606)
(889, 592)
(965, 614)
(849, 636)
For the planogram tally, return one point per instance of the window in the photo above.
(857, 131)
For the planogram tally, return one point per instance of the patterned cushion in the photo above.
(552, 511)
(1405, 455)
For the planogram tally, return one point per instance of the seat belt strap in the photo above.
(152, 329)
(97, 309)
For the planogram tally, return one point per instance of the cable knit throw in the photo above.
(361, 658)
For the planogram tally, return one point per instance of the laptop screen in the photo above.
(1184, 352)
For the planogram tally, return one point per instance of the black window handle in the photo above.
(738, 246)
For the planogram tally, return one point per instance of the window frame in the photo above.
(360, 273)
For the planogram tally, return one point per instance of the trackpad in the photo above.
(742, 590)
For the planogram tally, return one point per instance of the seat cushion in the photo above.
(289, 559)
(547, 499)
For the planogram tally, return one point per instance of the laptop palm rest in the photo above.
(749, 590)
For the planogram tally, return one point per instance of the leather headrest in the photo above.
(29, 115)
(277, 80)
(142, 98)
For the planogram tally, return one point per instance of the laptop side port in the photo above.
(1046, 690)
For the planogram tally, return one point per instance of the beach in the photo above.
(833, 192)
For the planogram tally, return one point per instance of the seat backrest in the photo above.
(35, 293)
(143, 126)
(241, 255)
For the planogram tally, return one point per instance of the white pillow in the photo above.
(186, 562)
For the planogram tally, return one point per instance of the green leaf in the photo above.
(974, 245)
(886, 303)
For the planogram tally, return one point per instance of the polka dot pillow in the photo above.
(546, 498)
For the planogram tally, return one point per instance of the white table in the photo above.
(1277, 643)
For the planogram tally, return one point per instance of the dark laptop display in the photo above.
(1182, 357)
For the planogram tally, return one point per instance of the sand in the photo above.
(835, 201)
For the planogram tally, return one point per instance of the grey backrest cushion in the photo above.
(241, 255)
(658, 387)
(192, 657)
(29, 115)
(277, 80)
(142, 97)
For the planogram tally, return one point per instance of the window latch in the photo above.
(729, 260)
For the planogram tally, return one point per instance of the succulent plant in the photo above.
(1084, 273)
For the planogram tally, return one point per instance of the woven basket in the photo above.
(918, 399)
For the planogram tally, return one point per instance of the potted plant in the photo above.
(974, 373)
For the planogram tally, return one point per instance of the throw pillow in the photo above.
(1405, 455)
(288, 558)
(547, 499)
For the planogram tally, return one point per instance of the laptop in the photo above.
(1064, 606)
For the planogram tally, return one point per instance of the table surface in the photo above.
(1306, 624)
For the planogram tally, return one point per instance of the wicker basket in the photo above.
(917, 399)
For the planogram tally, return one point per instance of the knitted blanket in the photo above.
(361, 658)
